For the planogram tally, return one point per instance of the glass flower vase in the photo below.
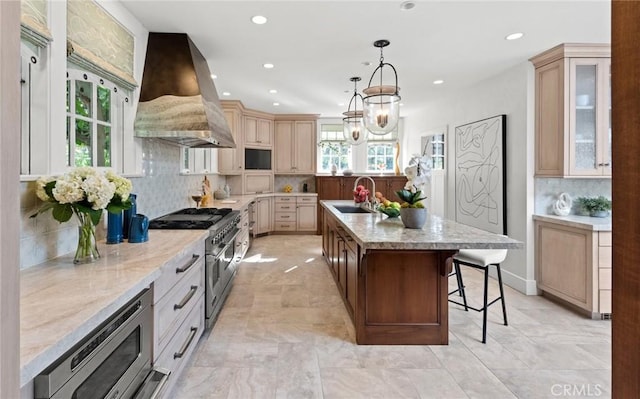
(87, 251)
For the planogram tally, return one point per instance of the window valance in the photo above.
(97, 42)
(33, 22)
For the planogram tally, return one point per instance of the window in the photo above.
(380, 152)
(95, 114)
(434, 147)
(334, 150)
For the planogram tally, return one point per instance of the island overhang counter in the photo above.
(394, 280)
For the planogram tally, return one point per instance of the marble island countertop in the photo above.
(581, 222)
(60, 302)
(377, 231)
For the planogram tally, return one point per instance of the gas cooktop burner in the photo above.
(190, 218)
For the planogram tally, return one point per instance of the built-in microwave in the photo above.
(257, 159)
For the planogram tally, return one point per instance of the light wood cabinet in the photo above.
(243, 240)
(306, 213)
(231, 160)
(258, 132)
(178, 307)
(257, 182)
(263, 209)
(295, 213)
(574, 265)
(573, 111)
(295, 146)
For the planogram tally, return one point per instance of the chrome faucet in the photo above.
(373, 204)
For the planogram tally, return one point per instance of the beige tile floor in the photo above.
(284, 333)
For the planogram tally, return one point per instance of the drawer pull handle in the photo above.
(186, 298)
(185, 346)
(286, 207)
(187, 265)
(285, 217)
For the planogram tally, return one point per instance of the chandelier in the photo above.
(381, 106)
(353, 129)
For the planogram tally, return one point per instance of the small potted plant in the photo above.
(412, 211)
(595, 206)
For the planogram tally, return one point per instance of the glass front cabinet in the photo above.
(573, 111)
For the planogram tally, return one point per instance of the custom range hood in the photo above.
(178, 100)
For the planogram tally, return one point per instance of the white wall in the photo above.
(512, 93)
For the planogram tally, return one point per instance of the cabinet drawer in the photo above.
(307, 200)
(179, 348)
(285, 226)
(285, 207)
(605, 301)
(173, 307)
(285, 199)
(172, 271)
(605, 239)
(285, 217)
(604, 279)
(604, 257)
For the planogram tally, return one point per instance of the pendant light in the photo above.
(353, 129)
(381, 110)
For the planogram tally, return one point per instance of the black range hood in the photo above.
(178, 100)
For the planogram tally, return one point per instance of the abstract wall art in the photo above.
(479, 172)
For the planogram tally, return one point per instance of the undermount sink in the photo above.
(351, 209)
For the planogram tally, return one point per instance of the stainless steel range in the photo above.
(220, 256)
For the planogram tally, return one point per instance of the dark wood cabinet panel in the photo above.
(341, 188)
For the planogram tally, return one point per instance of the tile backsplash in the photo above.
(296, 182)
(548, 189)
(161, 190)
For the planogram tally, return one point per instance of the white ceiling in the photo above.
(317, 46)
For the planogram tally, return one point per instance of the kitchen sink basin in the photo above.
(351, 209)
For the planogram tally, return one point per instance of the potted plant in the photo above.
(412, 211)
(595, 206)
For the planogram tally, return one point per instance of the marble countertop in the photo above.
(581, 222)
(60, 302)
(377, 231)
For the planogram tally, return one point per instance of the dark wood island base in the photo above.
(394, 297)
(402, 298)
(394, 280)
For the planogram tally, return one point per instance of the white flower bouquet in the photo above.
(83, 190)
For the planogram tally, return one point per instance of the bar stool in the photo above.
(479, 259)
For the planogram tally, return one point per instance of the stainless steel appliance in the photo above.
(220, 257)
(112, 362)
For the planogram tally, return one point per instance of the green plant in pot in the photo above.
(594, 206)
(412, 211)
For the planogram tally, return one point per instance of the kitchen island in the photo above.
(394, 280)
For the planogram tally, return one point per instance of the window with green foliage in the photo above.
(380, 152)
(92, 105)
(334, 150)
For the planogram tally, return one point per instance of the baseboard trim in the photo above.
(527, 287)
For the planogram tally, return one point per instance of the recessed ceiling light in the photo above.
(259, 19)
(226, 93)
(402, 104)
(340, 104)
(276, 104)
(407, 5)
(268, 66)
(438, 82)
(273, 91)
(214, 76)
(366, 63)
(514, 36)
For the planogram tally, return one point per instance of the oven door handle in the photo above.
(155, 381)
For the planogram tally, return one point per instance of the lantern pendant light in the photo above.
(381, 111)
(353, 129)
